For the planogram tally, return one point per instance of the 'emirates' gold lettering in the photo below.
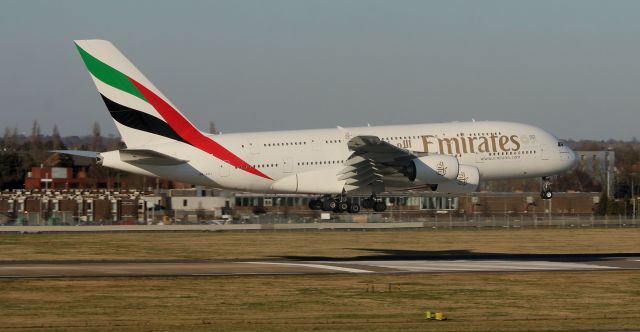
(469, 144)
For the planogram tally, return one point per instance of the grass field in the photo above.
(521, 301)
(260, 245)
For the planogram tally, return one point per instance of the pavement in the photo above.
(319, 266)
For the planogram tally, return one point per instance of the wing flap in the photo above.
(372, 161)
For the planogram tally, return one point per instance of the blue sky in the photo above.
(571, 67)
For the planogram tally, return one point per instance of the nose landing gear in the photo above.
(546, 192)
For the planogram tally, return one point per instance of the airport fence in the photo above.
(315, 219)
(449, 220)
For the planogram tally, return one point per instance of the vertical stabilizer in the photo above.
(141, 112)
(128, 95)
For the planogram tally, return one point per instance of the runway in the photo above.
(61, 269)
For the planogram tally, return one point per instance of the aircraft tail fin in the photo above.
(142, 114)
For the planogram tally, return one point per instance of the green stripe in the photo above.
(108, 75)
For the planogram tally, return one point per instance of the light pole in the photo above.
(633, 197)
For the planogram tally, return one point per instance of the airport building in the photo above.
(187, 206)
(58, 178)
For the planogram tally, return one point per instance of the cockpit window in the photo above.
(560, 144)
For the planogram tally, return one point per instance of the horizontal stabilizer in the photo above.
(78, 153)
(149, 157)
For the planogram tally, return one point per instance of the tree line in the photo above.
(20, 152)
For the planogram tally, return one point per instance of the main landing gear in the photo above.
(338, 204)
(342, 204)
(374, 203)
(546, 192)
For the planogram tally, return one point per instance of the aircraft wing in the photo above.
(149, 157)
(371, 161)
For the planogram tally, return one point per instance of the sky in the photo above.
(570, 67)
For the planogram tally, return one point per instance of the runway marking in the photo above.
(466, 265)
(284, 267)
(244, 273)
(317, 266)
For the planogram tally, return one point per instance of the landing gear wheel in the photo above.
(343, 206)
(546, 192)
(354, 208)
(329, 204)
(379, 206)
(368, 203)
(315, 204)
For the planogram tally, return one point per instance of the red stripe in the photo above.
(192, 135)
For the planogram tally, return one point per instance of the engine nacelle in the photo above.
(434, 169)
(467, 181)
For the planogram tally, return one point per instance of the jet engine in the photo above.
(433, 169)
(466, 182)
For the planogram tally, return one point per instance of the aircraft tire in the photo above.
(379, 206)
(329, 204)
(343, 206)
(315, 204)
(368, 203)
(354, 208)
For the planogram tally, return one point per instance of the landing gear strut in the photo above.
(546, 192)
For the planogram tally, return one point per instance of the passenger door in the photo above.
(287, 165)
(254, 146)
(315, 143)
(544, 151)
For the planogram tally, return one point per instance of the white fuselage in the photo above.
(499, 150)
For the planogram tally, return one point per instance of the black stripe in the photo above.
(140, 120)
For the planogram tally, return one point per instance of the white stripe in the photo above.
(466, 265)
(317, 266)
(125, 98)
(132, 137)
(244, 273)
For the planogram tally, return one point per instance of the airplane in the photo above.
(334, 164)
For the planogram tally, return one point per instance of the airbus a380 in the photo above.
(450, 158)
